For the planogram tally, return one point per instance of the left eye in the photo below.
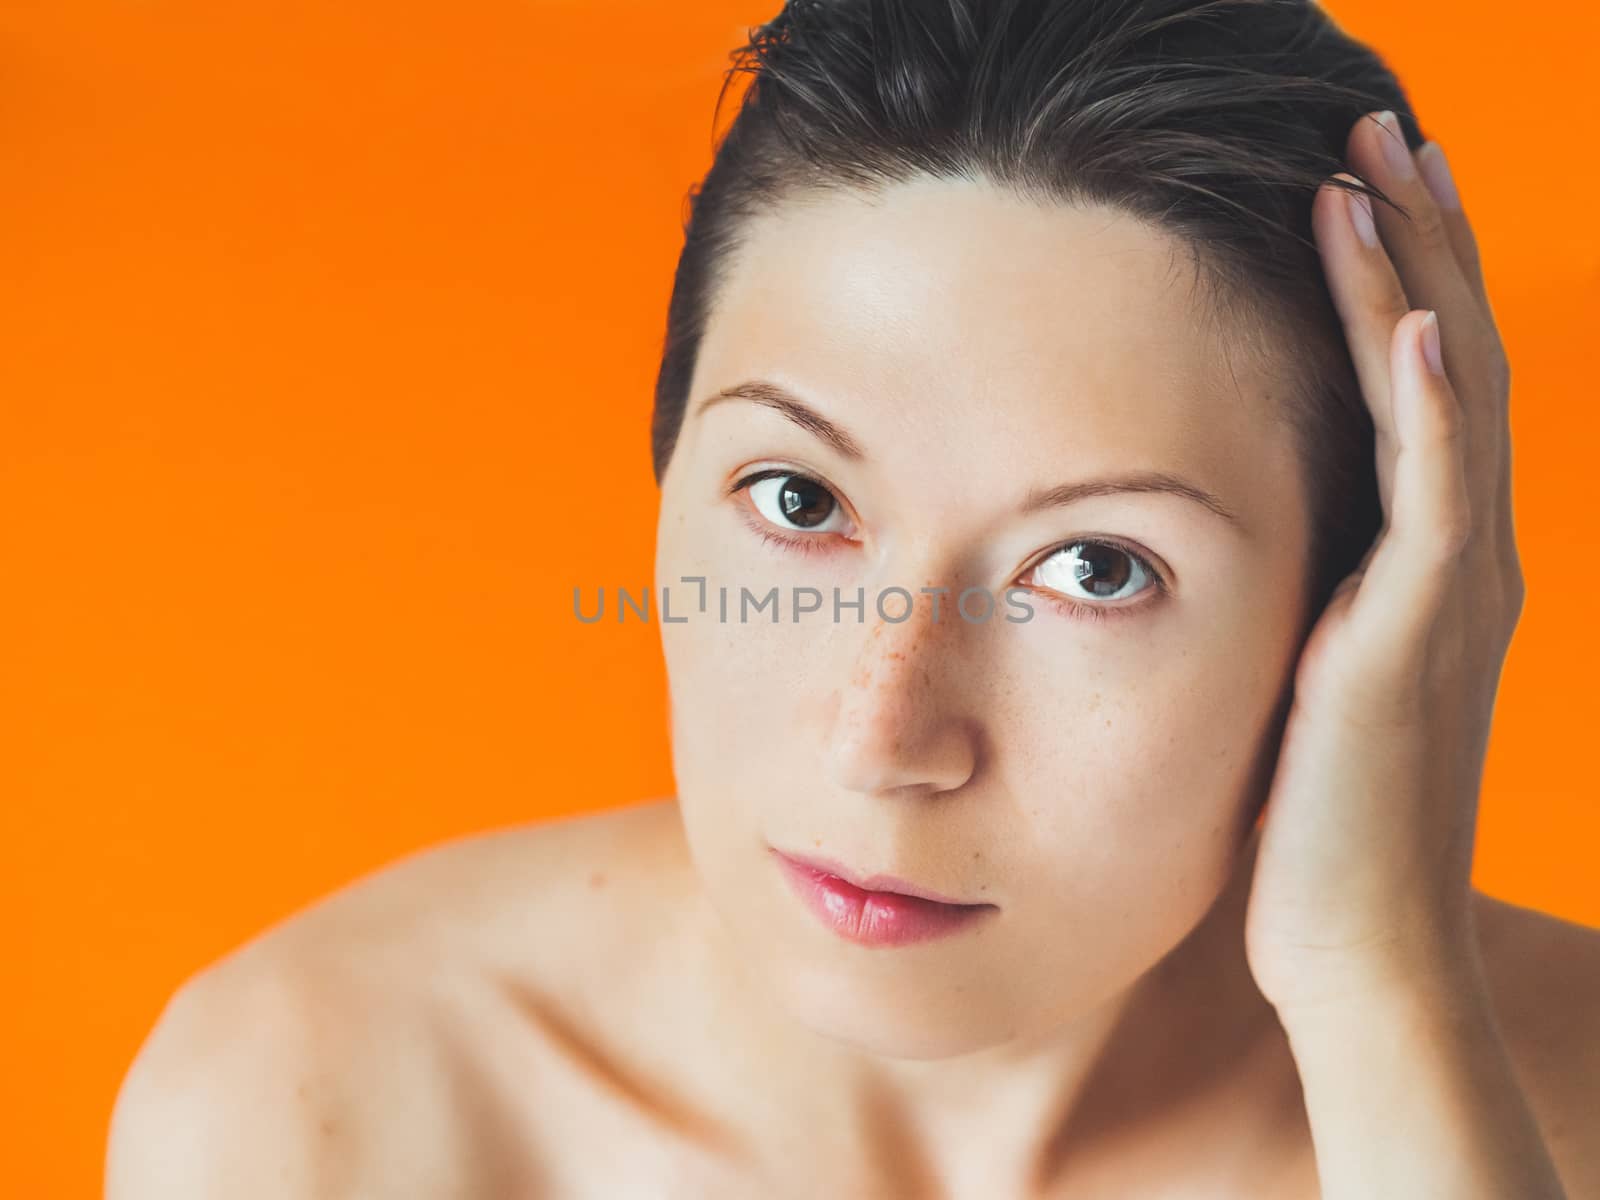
(792, 501)
(1106, 570)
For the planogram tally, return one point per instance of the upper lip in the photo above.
(872, 883)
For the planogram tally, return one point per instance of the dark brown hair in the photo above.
(1216, 120)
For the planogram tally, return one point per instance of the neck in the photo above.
(1192, 1027)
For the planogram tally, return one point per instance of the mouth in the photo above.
(875, 910)
(887, 884)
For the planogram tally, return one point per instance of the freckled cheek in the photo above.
(1118, 767)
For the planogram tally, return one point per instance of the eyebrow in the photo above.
(774, 396)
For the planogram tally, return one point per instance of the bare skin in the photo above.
(635, 1004)
(536, 1013)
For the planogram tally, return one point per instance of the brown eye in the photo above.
(1103, 571)
(793, 501)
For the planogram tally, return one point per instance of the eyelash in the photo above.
(770, 535)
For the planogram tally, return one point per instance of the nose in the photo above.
(899, 722)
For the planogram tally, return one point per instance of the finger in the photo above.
(1436, 174)
(1416, 562)
(1413, 226)
(1441, 185)
(1420, 247)
(1366, 292)
(1427, 243)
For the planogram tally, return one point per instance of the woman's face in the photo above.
(1088, 767)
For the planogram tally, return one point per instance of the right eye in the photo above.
(792, 502)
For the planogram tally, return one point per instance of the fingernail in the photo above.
(1436, 174)
(1395, 150)
(1430, 343)
(1361, 217)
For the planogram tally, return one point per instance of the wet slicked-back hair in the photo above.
(1214, 120)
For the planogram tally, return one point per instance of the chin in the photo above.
(916, 1004)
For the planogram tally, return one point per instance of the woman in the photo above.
(1084, 566)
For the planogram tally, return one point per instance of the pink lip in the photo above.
(880, 910)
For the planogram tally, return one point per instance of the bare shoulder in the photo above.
(1544, 977)
(251, 1084)
(343, 1051)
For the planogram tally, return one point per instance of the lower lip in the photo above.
(876, 918)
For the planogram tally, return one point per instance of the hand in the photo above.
(1362, 873)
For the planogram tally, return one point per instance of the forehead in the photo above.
(918, 316)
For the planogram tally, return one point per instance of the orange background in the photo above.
(330, 335)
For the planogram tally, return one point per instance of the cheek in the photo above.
(1122, 787)
(739, 679)
(731, 682)
(1134, 765)
(744, 709)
